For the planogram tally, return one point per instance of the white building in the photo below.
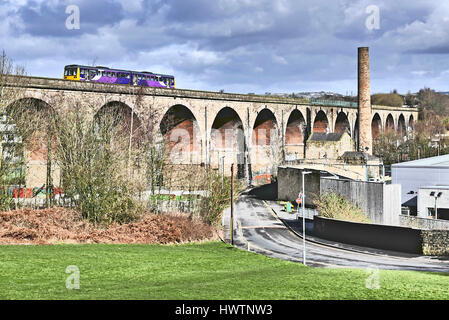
(426, 174)
(433, 202)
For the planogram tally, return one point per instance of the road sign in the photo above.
(298, 201)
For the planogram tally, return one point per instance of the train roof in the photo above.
(119, 70)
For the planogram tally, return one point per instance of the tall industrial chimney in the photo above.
(364, 142)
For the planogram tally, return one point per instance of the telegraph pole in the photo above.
(232, 204)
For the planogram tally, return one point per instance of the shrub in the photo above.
(218, 198)
(334, 206)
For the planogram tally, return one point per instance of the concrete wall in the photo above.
(379, 201)
(369, 235)
(391, 204)
(290, 184)
(369, 196)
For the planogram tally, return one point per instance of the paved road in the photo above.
(258, 229)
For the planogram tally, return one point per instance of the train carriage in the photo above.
(107, 75)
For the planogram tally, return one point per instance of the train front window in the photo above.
(70, 72)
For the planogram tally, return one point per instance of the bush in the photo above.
(334, 206)
(218, 198)
(95, 168)
(387, 99)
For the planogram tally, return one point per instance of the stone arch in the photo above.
(264, 145)
(29, 136)
(376, 126)
(342, 123)
(402, 128)
(227, 140)
(295, 135)
(356, 133)
(182, 135)
(125, 120)
(320, 123)
(389, 123)
(264, 124)
(411, 123)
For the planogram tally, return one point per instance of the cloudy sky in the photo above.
(238, 45)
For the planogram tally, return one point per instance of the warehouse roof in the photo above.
(440, 161)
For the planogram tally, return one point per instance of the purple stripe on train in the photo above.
(145, 83)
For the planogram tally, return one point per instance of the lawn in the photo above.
(211, 270)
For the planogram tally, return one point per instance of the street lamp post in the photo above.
(436, 196)
(222, 171)
(304, 216)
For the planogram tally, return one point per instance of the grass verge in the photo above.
(210, 270)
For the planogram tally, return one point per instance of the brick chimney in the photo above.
(365, 143)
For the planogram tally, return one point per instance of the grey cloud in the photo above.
(45, 19)
(243, 43)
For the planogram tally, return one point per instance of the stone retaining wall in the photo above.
(435, 242)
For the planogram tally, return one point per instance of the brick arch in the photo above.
(295, 134)
(123, 115)
(182, 135)
(342, 123)
(227, 138)
(320, 123)
(389, 123)
(402, 128)
(295, 128)
(376, 126)
(264, 145)
(411, 122)
(264, 127)
(29, 109)
(266, 109)
(32, 119)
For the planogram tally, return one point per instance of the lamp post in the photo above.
(304, 216)
(436, 196)
(222, 171)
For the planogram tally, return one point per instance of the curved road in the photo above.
(258, 229)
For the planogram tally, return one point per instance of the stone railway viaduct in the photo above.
(270, 128)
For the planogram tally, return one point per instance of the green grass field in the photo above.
(210, 270)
